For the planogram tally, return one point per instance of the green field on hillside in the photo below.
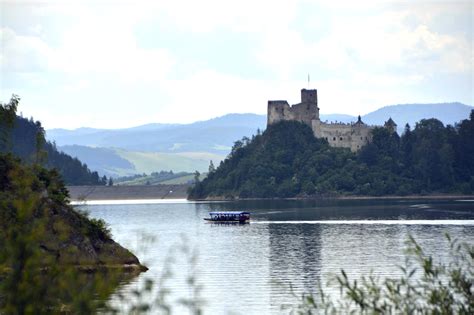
(176, 179)
(148, 162)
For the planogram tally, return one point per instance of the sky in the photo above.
(117, 64)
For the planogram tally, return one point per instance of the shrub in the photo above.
(425, 287)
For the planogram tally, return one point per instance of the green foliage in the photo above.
(288, 161)
(425, 287)
(39, 236)
(7, 120)
(33, 280)
(212, 168)
(100, 228)
(30, 145)
(26, 139)
(264, 165)
(43, 243)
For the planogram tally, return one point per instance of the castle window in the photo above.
(360, 138)
(334, 139)
(340, 138)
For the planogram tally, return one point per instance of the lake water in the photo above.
(248, 269)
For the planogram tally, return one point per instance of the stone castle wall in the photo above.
(352, 136)
(306, 111)
(278, 111)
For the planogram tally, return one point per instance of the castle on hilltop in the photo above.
(351, 135)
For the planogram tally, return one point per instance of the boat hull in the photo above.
(226, 221)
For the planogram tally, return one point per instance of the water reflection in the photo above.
(294, 261)
(289, 242)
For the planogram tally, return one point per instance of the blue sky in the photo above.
(115, 64)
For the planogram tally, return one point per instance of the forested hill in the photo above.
(288, 161)
(27, 141)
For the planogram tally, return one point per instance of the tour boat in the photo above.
(228, 217)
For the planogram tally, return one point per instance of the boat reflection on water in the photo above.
(240, 217)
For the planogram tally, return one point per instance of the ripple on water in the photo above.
(286, 245)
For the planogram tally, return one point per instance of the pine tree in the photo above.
(211, 167)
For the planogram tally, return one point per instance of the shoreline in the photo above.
(407, 197)
(139, 192)
(178, 193)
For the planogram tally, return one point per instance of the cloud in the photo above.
(86, 49)
(209, 94)
(104, 46)
(241, 16)
(23, 53)
(86, 56)
(377, 42)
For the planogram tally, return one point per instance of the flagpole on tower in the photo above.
(308, 81)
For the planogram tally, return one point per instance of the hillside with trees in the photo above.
(189, 147)
(27, 141)
(288, 161)
(49, 251)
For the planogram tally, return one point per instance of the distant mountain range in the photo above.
(448, 113)
(215, 135)
(188, 147)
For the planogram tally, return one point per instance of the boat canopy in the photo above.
(228, 213)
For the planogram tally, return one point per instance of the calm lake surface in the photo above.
(248, 269)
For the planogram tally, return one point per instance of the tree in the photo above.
(43, 241)
(288, 161)
(236, 147)
(25, 138)
(111, 182)
(430, 153)
(211, 167)
(406, 146)
(41, 154)
(465, 148)
(368, 154)
(196, 176)
(103, 180)
(7, 120)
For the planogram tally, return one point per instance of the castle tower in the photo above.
(309, 96)
(307, 110)
(340, 135)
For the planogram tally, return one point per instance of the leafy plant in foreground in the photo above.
(425, 287)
